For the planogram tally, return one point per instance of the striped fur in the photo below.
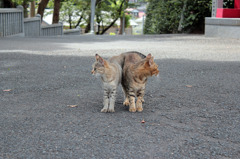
(131, 69)
(111, 75)
(136, 70)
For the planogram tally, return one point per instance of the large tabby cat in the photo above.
(136, 70)
(111, 75)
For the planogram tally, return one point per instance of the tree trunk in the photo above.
(32, 9)
(180, 27)
(56, 11)
(8, 4)
(121, 25)
(25, 6)
(104, 30)
(113, 22)
(81, 17)
(79, 21)
(42, 5)
(87, 29)
(70, 22)
(99, 28)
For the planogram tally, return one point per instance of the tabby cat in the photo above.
(111, 75)
(136, 70)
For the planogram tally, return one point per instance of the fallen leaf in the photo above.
(72, 106)
(143, 121)
(189, 86)
(7, 90)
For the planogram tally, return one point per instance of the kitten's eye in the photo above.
(94, 69)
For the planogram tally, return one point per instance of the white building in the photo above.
(138, 29)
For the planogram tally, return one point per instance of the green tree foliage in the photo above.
(228, 3)
(108, 12)
(24, 3)
(127, 20)
(72, 12)
(167, 16)
(68, 13)
(20, 2)
(150, 24)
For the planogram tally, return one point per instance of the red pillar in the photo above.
(229, 12)
(237, 4)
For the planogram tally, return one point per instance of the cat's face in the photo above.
(151, 66)
(97, 69)
(99, 66)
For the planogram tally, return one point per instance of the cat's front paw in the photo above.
(139, 109)
(111, 110)
(104, 110)
(139, 105)
(126, 103)
(133, 110)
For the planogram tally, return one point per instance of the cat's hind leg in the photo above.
(140, 99)
(131, 97)
(126, 100)
(132, 106)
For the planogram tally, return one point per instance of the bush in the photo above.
(173, 16)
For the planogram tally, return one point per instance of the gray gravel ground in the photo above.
(191, 111)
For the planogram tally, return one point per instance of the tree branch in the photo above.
(113, 22)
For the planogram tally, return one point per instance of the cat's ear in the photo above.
(99, 59)
(104, 63)
(149, 56)
(149, 59)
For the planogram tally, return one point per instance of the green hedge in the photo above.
(176, 16)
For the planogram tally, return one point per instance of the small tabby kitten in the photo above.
(136, 70)
(111, 75)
